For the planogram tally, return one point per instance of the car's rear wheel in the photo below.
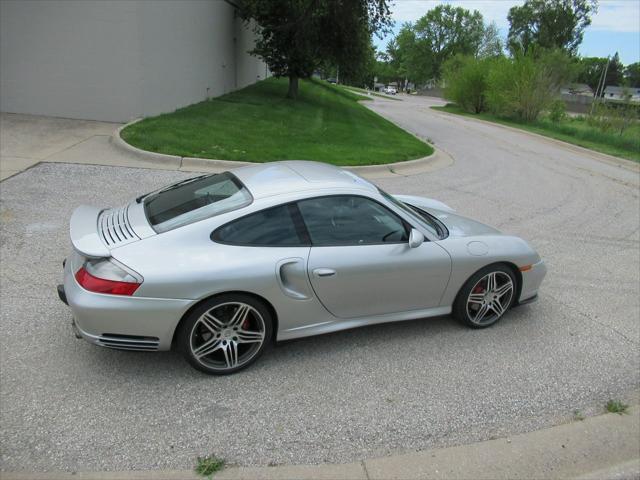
(225, 334)
(486, 296)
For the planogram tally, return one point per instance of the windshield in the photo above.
(420, 216)
(195, 199)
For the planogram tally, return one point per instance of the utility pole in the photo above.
(600, 87)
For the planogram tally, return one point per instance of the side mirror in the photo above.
(415, 238)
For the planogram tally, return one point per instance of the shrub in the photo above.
(600, 117)
(527, 84)
(466, 82)
(557, 111)
(613, 117)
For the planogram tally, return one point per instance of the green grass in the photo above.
(258, 124)
(572, 130)
(207, 466)
(616, 406)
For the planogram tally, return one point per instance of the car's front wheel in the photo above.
(486, 296)
(225, 333)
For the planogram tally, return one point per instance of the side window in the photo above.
(350, 220)
(271, 227)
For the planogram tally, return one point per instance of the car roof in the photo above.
(279, 178)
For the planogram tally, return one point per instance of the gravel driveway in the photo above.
(336, 398)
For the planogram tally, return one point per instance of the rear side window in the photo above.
(195, 199)
(273, 227)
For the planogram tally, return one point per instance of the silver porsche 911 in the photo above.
(219, 266)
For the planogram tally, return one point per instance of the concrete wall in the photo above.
(248, 69)
(117, 60)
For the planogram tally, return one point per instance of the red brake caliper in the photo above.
(477, 289)
(245, 324)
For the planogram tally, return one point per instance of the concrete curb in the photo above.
(437, 160)
(603, 157)
(143, 155)
(410, 167)
(597, 447)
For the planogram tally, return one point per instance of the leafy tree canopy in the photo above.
(419, 50)
(632, 75)
(446, 31)
(296, 36)
(491, 44)
(590, 70)
(549, 24)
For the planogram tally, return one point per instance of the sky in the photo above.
(615, 28)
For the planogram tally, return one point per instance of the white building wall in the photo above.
(248, 69)
(117, 60)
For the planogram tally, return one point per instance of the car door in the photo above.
(360, 263)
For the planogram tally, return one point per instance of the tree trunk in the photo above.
(293, 87)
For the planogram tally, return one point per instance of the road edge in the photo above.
(603, 157)
(591, 448)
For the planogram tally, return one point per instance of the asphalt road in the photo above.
(65, 404)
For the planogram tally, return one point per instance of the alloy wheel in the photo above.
(227, 336)
(490, 298)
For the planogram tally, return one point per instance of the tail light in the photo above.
(104, 276)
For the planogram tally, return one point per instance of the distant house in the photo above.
(612, 92)
(581, 89)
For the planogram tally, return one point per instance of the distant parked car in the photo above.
(218, 266)
(331, 80)
(390, 90)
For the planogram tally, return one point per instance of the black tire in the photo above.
(463, 309)
(193, 329)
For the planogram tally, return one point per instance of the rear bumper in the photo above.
(531, 280)
(118, 321)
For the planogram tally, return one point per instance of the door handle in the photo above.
(323, 272)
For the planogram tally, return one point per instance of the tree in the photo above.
(549, 24)
(360, 71)
(524, 85)
(466, 81)
(295, 36)
(590, 70)
(383, 70)
(446, 31)
(419, 50)
(632, 75)
(394, 59)
(615, 72)
(414, 64)
(491, 43)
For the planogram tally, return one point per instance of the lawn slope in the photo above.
(258, 124)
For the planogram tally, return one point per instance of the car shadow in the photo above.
(314, 352)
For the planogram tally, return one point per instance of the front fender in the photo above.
(470, 254)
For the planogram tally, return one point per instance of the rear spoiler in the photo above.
(84, 232)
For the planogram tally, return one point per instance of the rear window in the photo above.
(195, 199)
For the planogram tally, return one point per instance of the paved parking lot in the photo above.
(337, 398)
